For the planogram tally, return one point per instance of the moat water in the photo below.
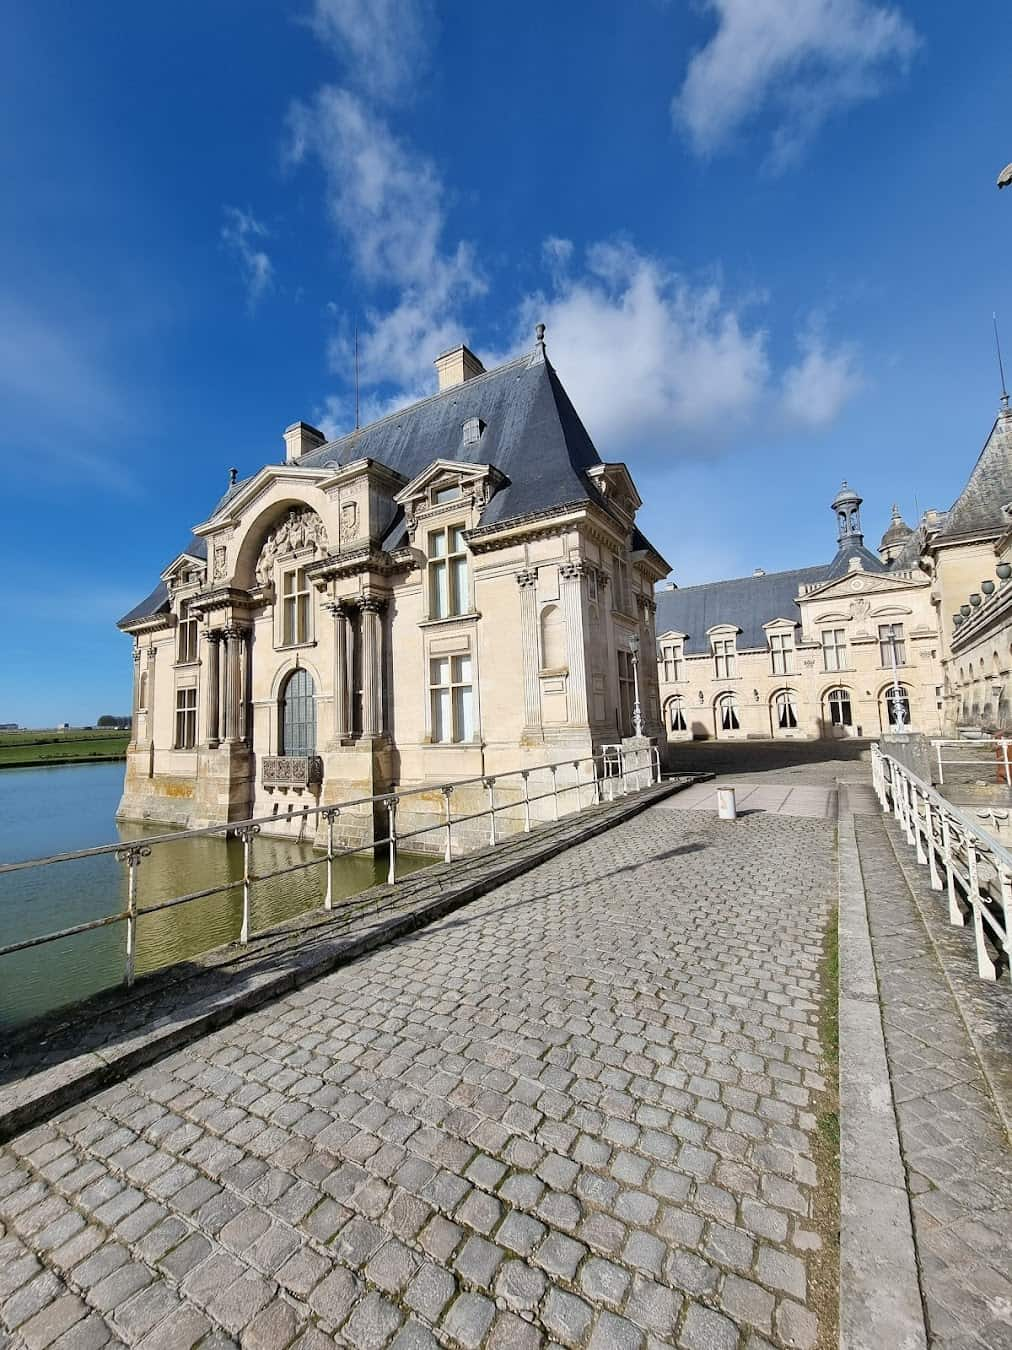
(63, 809)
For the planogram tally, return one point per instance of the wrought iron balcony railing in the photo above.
(291, 771)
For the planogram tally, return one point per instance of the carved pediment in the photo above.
(300, 531)
(478, 482)
(615, 484)
(185, 570)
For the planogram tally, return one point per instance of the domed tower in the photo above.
(895, 537)
(847, 505)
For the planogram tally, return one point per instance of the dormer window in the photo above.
(472, 430)
(725, 658)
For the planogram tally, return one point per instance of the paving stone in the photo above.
(372, 1323)
(745, 1303)
(615, 1333)
(604, 1282)
(566, 1317)
(430, 1291)
(469, 1320)
(559, 1256)
(520, 1233)
(477, 1261)
(52, 1321)
(704, 1329)
(519, 1286)
(334, 1297)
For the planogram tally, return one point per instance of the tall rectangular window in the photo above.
(626, 691)
(834, 648)
(890, 640)
(451, 695)
(186, 719)
(782, 653)
(447, 572)
(295, 607)
(186, 634)
(622, 601)
(672, 663)
(725, 661)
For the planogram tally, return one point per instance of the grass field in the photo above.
(60, 747)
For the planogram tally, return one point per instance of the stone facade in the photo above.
(447, 594)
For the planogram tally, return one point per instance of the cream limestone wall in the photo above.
(538, 627)
(857, 604)
(980, 643)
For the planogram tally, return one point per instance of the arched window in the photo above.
(838, 705)
(727, 712)
(553, 638)
(142, 693)
(298, 715)
(676, 713)
(785, 709)
(889, 718)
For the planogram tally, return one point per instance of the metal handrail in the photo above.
(1002, 742)
(954, 849)
(606, 766)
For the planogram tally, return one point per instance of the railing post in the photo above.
(490, 789)
(555, 790)
(985, 966)
(955, 913)
(330, 814)
(132, 857)
(246, 834)
(922, 857)
(929, 829)
(392, 819)
(447, 792)
(1004, 752)
(525, 775)
(1005, 891)
(938, 751)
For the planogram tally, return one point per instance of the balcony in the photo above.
(291, 771)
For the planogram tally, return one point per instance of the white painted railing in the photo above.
(973, 869)
(596, 778)
(993, 758)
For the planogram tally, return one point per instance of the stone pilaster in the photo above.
(136, 693)
(342, 708)
(372, 666)
(527, 582)
(213, 691)
(576, 646)
(233, 683)
(149, 730)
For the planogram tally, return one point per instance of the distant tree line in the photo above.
(118, 723)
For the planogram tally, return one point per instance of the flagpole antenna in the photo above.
(1001, 367)
(356, 378)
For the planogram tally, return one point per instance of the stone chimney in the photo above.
(300, 438)
(456, 366)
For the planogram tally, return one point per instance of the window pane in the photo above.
(445, 494)
(440, 714)
(439, 670)
(461, 670)
(437, 544)
(456, 539)
(463, 715)
(458, 586)
(439, 596)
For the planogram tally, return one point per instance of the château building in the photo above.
(446, 593)
(821, 651)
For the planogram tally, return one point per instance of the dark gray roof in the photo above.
(532, 434)
(746, 602)
(978, 508)
(158, 601)
(853, 548)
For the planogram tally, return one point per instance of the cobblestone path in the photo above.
(580, 1111)
(956, 1154)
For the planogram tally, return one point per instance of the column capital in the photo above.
(213, 635)
(235, 632)
(137, 654)
(337, 608)
(372, 604)
(527, 578)
(573, 571)
(152, 653)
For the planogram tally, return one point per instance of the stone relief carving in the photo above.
(349, 522)
(301, 529)
(220, 554)
(859, 610)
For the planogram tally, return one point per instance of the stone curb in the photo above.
(880, 1297)
(207, 1000)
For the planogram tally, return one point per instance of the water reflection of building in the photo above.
(445, 593)
(810, 653)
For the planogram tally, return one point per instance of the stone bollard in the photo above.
(727, 808)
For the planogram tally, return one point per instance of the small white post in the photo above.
(929, 833)
(132, 857)
(555, 791)
(392, 833)
(448, 854)
(329, 815)
(727, 806)
(1005, 884)
(1004, 752)
(955, 913)
(490, 789)
(922, 857)
(525, 775)
(938, 752)
(246, 835)
(985, 966)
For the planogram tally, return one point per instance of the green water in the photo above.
(62, 809)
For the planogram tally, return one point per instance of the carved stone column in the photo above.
(372, 666)
(213, 639)
(149, 730)
(576, 650)
(342, 717)
(137, 692)
(233, 682)
(527, 581)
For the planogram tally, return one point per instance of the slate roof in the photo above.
(978, 508)
(158, 601)
(853, 548)
(532, 434)
(746, 602)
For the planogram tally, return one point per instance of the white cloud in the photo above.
(387, 203)
(241, 234)
(383, 43)
(804, 59)
(818, 386)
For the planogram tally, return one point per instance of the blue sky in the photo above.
(765, 238)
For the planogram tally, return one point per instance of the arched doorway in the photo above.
(784, 712)
(674, 716)
(838, 712)
(727, 719)
(297, 719)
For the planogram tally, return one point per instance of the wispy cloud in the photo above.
(802, 61)
(242, 234)
(382, 44)
(823, 380)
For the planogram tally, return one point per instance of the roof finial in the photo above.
(233, 477)
(1001, 368)
(539, 337)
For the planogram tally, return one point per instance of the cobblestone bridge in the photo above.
(588, 1109)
